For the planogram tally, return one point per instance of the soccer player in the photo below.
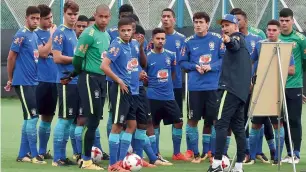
(91, 21)
(118, 64)
(46, 91)
(294, 86)
(174, 42)
(63, 48)
(236, 66)
(201, 57)
(81, 25)
(273, 32)
(267, 127)
(92, 84)
(124, 11)
(21, 69)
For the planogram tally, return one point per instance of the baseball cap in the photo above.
(229, 18)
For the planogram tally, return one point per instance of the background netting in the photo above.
(13, 11)
(259, 11)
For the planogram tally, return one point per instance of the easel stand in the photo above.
(282, 77)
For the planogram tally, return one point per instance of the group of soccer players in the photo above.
(81, 64)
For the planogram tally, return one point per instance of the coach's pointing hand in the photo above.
(123, 87)
(226, 38)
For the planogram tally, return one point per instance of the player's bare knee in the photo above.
(116, 128)
(47, 118)
(81, 121)
(275, 126)
(192, 123)
(131, 126)
(229, 132)
(256, 126)
(142, 126)
(207, 129)
(178, 125)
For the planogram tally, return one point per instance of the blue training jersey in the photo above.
(25, 45)
(46, 68)
(134, 45)
(65, 41)
(251, 41)
(123, 63)
(113, 33)
(159, 71)
(174, 43)
(255, 57)
(206, 50)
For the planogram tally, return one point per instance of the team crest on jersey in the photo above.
(121, 118)
(253, 44)
(81, 111)
(137, 49)
(294, 44)
(18, 40)
(36, 55)
(33, 111)
(190, 114)
(58, 39)
(168, 61)
(177, 43)
(132, 65)
(97, 94)
(162, 75)
(70, 111)
(211, 45)
(205, 59)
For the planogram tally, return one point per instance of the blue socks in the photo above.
(72, 138)
(78, 138)
(148, 149)
(113, 141)
(156, 132)
(228, 141)
(247, 146)
(176, 139)
(97, 142)
(193, 134)
(254, 135)
(189, 147)
(109, 123)
(60, 138)
(282, 139)
(206, 143)
(153, 144)
(213, 140)
(297, 153)
(271, 145)
(24, 144)
(68, 123)
(44, 135)
(139, 142)
(125, 142)
(31, 131)
(260, 140)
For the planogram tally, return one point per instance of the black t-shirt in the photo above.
(236, 67)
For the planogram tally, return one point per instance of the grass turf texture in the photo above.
(11, 123)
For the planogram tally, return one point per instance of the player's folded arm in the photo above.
(61, 59)
(291, 70)
(44, 49)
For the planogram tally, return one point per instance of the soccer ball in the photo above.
(96, 155)
(132, 162)
(225, 163)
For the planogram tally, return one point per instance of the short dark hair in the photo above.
(274, 22)
(134, 16)
(126, 8)
(170, 10)
(201, 15)
(286, 12)
(32, 10)
(140, 29)
(83, 18)
(44, 9)
(234, 10)
(124, 21)
(92, 18)
(71, 5)
(240, 12)
(157, 30)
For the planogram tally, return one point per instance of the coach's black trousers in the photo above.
(294, 107)
(92, 90)
(231, 114)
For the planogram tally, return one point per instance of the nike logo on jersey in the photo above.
(69, 38)
(30, 40)
(99, 42)
(152, 64)
(43, 38)
(195, 48)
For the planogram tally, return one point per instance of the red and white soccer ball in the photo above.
(225, 163)
(96, 155)
(132, 162)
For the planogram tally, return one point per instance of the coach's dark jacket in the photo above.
(236, 67)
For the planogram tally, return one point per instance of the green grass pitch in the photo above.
(11, 122)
